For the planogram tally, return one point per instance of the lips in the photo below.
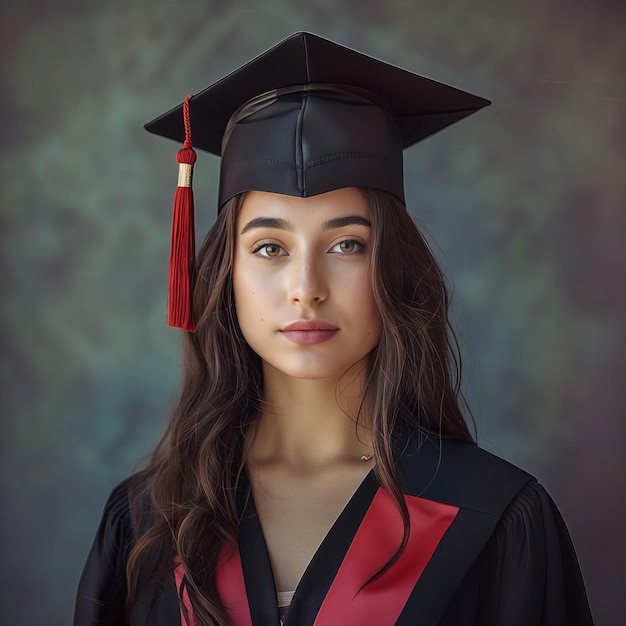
(309, 332)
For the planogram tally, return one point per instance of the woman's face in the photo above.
(302, 282)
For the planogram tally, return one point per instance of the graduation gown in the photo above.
(487, 547)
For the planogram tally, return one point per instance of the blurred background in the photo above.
(523, 203)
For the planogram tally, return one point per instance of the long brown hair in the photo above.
(187, 503)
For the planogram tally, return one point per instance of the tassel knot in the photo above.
(186, 155)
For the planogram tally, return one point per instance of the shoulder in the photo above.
(527, 574)
(530, 564)
(120, 512)
(531, 524)
(531, 503)
(533, 518)
(118, 503)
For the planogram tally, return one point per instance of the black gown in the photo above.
(487, 547)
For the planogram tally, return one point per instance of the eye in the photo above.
(269, 250)
(347, 246)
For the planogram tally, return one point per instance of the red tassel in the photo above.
(183, 241)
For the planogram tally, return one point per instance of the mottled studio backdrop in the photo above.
(524, 201)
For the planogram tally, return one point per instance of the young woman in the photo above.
(318, 468)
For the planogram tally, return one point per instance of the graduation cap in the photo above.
(305, 117)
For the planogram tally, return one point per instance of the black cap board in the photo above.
(309, 115)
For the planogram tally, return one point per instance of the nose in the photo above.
(307, 284)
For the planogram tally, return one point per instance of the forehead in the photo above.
(311, 210)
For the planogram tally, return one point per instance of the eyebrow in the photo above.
(282, 224)
(267, 222)
(346, 220)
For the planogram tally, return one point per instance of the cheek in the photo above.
(245, 295)
(252, 298)
(359, 288)
(242, 292)
(357, 293)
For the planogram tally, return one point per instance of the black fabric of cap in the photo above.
(328, 117)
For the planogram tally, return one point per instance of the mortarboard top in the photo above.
(309, 115)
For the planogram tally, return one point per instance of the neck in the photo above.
(310, 423)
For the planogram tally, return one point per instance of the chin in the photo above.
(315, 370)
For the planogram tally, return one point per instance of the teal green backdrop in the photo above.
(523, 203)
